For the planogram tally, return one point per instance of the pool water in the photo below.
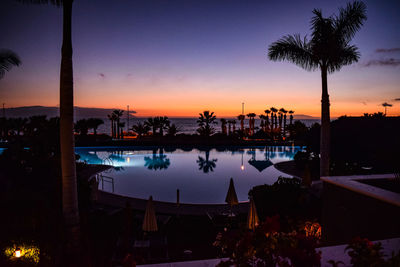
(202, 176)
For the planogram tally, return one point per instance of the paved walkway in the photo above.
(118, 201)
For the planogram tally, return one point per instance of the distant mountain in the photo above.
(80, 112)
(304, 117)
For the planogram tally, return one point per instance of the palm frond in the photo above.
(344, 56)
(8, 59)
(294, 49)
(350, 19)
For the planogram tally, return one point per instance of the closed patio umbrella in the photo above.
(150, 221)
(231, 197)
(252, 217)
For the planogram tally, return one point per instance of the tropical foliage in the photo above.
(7, 59)
(205, 122)
(328, 50)
(268, 246)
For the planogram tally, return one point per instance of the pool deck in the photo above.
(114, 201)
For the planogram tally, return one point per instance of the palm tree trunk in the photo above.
(325, 126)
(69, 183)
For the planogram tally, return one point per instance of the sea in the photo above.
(186, 125)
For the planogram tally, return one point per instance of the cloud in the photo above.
(101, 75)
(392, 62)
(364, 103)
(386, 105)
(396, 99)
(387, 50)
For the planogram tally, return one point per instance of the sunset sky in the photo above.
(180, 57)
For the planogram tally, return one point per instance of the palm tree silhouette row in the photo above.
(328, 50)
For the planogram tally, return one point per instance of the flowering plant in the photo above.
(266, 246)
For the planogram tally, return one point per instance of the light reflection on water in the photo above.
(202, 176)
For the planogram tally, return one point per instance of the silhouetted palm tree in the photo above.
(328, 50)
(241, 117)
(121, 126)
(141, 129)
(68, 164)
(223, 126)
(7, 59)
(273, 117)
(153, 123)
(118, 114)
(262, 121)
(251, 122)
(111, 118)
(172, 130)
(233, 125)
(163, 124)
(205, 122)
(291, 116)
(283, 114)
(267, 111)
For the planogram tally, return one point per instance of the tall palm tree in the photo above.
(291, 117)
(223, 126)
(241, 117)
(251, 122)
(205, 122)
(328, 50)
(121, 126)
(118, 114)
(283, 112)
(67, 146)
(111, 118)
(267, 111)
(164, 123)
(7, 59)
(273, 117)
(263, 121)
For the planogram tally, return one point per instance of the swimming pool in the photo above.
(202, 176)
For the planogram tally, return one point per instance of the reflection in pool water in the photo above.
(202, 176)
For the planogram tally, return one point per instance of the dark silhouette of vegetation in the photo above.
(224, 130)
(205, 122)
(141, 129)
(205, 164)
(157, 162)
(7, 59)
(82, 127)
(172, 130)
(241, 118)
(94, 123)
(118, 113)
(328, 50)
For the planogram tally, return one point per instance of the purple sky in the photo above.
(182, 57)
